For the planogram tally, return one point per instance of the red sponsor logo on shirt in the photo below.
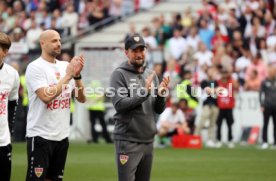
(59, 104)
(3, 105)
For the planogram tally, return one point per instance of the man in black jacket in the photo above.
(138, 97)
(268, 103)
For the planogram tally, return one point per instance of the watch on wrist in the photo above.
(77, 78)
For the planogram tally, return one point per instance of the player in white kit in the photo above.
(50, 85)
(9, 85)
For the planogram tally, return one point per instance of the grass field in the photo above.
(97, 163)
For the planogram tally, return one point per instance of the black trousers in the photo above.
(5, 162)
(226, 114)
(46, 159)
(268, 112)
(94, 115)
(134, 160)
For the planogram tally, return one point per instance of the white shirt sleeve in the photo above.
(181, 116)
(163, 117)
(35, 78)
(14, 91)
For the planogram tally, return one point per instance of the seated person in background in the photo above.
(171, 121)
(190, 114)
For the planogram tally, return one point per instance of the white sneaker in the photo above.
(265, 146)
(218, 144)
(231, 145)
(210, 144)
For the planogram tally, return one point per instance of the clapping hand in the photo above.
(163, 86)
(75, 66)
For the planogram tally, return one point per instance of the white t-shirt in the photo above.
(177, 46)
(50, 121)
(271, 42)
(204, 58)
(151, 41)
(242, 63)
(9, 85)
(168, 116)
(193, 42)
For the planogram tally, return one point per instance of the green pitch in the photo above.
(97, 163)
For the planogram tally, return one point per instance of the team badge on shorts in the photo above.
(38, 171)
(123, 159)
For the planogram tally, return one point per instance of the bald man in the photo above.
(50, 85)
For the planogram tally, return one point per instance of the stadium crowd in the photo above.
(24, 20)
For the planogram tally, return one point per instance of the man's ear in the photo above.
(5, 51)
(126, 52)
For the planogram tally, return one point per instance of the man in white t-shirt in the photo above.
(9, 85)
(171, 121)
(50, 87)
(177, 44)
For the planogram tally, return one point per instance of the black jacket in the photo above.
(135, 115)
(267, 94)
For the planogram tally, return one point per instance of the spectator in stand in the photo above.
(222, 58)
(271, 40)
(204, 59)
(270, 23)
(241, 65)
(253, 83)
(96, 13)
(172, 73)
(70, 20)
(132, 31)
(228, 5)
(238, 44)
(177, 44)
(187, 18)
(257, 64)
(262, 48)
(57, 15)
(193, 39)
(32, 36)
(219, 40)
(116, 8)
(149, 39)
(162, 31)
(245, 19)
(205, 33)
(256, 26)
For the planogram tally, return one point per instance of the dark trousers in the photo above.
(134, 160)
(268, 112)
(46, 159)
(94, 115)
(226, 114)
(5, 163)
